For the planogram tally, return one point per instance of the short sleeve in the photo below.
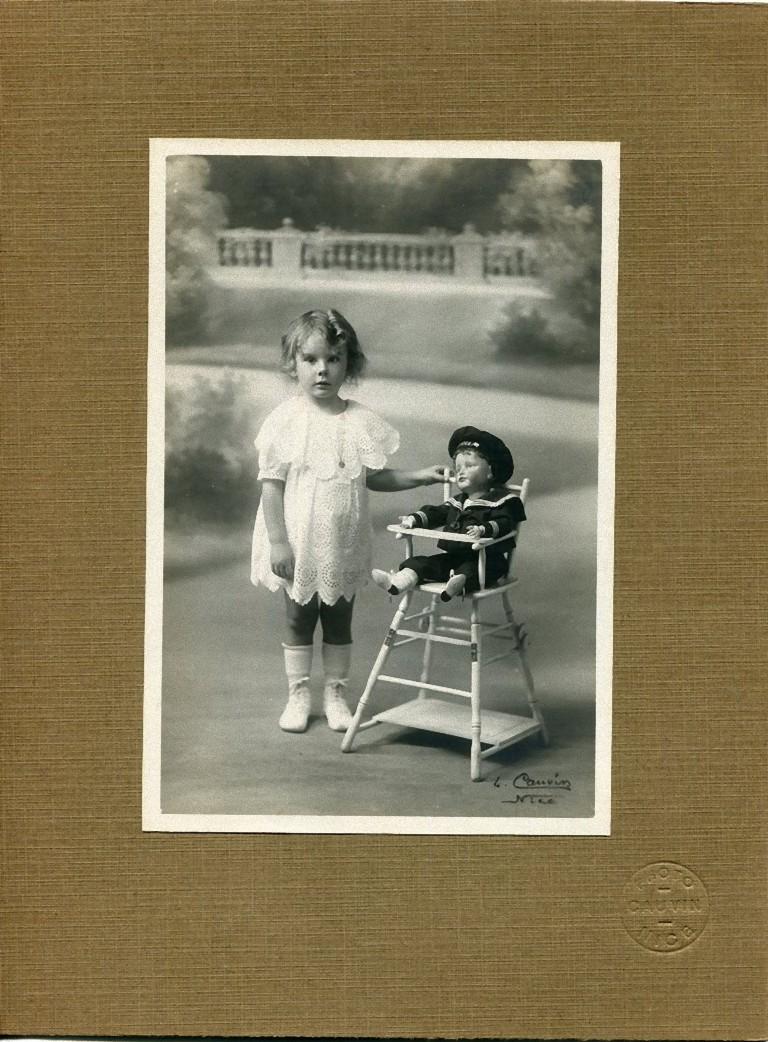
(268, 442)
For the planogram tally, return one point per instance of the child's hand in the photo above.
(407, 521)
(432, 475)
(476, 531)
(282, 560)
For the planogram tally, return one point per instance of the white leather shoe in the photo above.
(295, 716)
(334, 703)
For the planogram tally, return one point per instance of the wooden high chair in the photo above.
(492, 729)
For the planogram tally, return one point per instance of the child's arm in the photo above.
(388, 480)
(280, 552)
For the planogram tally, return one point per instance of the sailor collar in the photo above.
(464, 501)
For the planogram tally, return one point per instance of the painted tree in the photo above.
(558, 202)
(363, 194)
(193, 215)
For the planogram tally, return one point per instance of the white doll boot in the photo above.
(336, 659)
(298, 666)
(382, 578)
(454, 586)
(395, 582)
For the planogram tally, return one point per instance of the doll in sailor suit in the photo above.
(483, 507)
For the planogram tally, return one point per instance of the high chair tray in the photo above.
(434, 714)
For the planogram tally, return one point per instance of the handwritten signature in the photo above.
(537, 791)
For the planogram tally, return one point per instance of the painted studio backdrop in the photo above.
(474, 285)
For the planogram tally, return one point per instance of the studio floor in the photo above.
(224, 689)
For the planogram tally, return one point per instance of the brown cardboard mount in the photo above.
(111, 931)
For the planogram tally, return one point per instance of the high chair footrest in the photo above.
(435, 714)
(437, 587)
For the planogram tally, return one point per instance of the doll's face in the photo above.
(473, 472)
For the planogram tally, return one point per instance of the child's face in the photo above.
(473, 472)
(320, 368)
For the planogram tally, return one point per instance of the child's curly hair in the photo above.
(337, 332)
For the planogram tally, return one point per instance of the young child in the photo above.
(483, 508)
(318, 455)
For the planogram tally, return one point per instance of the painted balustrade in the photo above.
(377, 254)
(241, 247)
(290, 253)
(510, 257)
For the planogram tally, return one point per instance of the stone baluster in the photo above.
(468, 255)
(286, 249)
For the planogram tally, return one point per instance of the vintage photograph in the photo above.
(380, 486)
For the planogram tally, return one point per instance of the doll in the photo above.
(482, 508)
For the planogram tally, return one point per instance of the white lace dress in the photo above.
(323, 460)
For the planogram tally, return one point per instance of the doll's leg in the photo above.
(429, 568)
(301, 620)
(395, 582)
(336, 620)
(466, 576)
(463, 580)
(407, 577)
(437, 568)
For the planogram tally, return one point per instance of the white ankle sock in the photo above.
(336, 660)
(298, 662)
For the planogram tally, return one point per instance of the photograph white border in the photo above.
(153, 819)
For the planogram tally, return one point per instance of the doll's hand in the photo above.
(476, 531)
(282, 560)
(407, 521)
(432, 475)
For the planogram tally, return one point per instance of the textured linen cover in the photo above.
(108, 930)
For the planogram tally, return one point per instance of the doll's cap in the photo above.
(487, 445)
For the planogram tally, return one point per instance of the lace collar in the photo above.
(335, 446)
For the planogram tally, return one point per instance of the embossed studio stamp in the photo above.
(665, 907)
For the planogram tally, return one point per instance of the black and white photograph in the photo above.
(381, 391)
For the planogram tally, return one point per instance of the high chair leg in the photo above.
(521, 637)
(378, 665)
(427, 659)
(474, 628)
